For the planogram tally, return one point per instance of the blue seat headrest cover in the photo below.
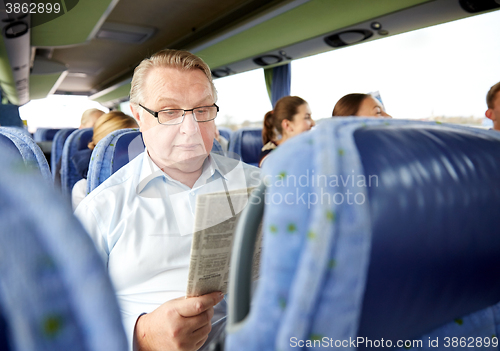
(434, 213)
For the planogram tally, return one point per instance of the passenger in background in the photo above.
(493, 102)
(106, 124)
(89, 118)
(224, 143)
(362, 105)
(290, 117)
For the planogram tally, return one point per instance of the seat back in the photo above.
(433, 215)
(225, 132)
(101, 162)
(77, 140)
(115, 151)
(385, 230)
(30, 151)
(246, 144)
(57, 148)
(55, 293)
(45, 134)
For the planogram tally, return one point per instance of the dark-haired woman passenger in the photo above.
(362, 105)
(290, 117)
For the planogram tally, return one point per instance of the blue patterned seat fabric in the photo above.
(379, 229)
(57, 148)
(115, 151)
(78, 140)
(246, 144)
(55, 294)
(30, 151)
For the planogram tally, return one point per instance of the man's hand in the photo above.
(180, 324)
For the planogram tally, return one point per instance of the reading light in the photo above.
(267, 60)
(221, 72)
(348, 37)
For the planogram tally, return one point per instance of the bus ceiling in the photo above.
(91, 47)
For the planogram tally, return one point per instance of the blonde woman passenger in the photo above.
(291, 116)
(106, 124)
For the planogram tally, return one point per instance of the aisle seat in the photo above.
(373, 228)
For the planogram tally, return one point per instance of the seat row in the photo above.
(112, 153)
(412, 256)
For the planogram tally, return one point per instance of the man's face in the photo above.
(494, 113)
(184, 146)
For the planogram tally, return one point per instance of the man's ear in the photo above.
(489, 113)
(136, 114)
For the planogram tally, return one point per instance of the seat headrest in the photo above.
(85, 138)
(127, 147)
(434, 206)
(247, 143)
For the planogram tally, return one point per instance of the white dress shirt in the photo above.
(141, 221)
(78, 192)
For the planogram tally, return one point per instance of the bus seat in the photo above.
(225, 132)
(411, 254)
(45, 134)
(30, 151)
(57, 148)
(55, 293)
(76, 141)
(246, 144)
(115, 151)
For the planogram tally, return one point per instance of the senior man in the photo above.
(141, 219)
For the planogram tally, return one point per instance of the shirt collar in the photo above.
(150, 171)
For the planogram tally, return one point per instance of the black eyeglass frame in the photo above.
(155, 114)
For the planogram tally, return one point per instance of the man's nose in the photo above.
(189, 125)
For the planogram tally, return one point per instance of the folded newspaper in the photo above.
(216, 216)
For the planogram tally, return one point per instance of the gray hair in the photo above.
(179, 59)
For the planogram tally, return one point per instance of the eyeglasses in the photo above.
(176, 116)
